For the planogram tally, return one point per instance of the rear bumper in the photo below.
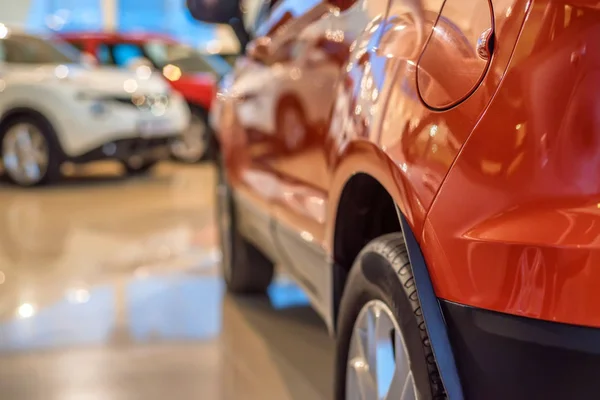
(148, 148)
(501, 356)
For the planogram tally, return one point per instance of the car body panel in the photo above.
(260, 165)
(524, 240)
(484, 133)
(444, 128)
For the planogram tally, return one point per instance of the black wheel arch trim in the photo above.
(12, 112)
(432, 314)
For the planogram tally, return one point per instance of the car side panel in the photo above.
(421, 143)
(304, 171)
(247, 150)
(515, 227)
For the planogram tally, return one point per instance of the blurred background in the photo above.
(109, 276)
(164, 16)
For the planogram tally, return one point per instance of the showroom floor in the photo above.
(109, 289)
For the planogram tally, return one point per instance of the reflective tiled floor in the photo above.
(109, 289)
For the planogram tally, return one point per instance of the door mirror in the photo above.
(214, 11)
(259, 49)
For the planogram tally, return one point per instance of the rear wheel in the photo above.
(383, 349)
(30, 152)
(194, 145)
(245, 269)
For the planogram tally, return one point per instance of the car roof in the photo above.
(116, 36)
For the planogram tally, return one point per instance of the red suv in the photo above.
(188, 71)
(445, 222)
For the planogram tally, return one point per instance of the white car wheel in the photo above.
(378, 364)
(193, 144)
(25, 154)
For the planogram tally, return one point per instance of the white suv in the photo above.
(56, 109)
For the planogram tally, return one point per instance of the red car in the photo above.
(445, 222)
(189, 72)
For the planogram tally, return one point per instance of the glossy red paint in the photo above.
(523, 234)
(484, 131)
(198, 88)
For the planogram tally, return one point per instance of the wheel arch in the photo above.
(362, 164)
(365, 210)
(375, 185)
(16, 112)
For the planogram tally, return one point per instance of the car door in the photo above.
(337, 43)
(300, 168)
(247, 120)
(380, 70)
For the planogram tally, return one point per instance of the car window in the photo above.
(188, 59)
(104, 55)
(229, 58)
(295, 7)
(25, 49)
(283, 11)
(217, 63)
(125, 53)
(261, 16)
(257, 14)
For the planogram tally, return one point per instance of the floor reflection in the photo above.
(112, 291)
(170, 308)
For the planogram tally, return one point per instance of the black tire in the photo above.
(141, 169)
(55, 153)
(209, 141)
(245, 269)
(382, 271)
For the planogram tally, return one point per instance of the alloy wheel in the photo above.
(25, 154)
(378, 363)
(192, 144)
